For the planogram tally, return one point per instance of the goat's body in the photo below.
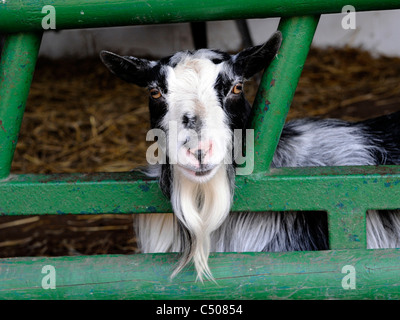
(303, 143)
(306, 143)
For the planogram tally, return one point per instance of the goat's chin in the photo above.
(198, 175)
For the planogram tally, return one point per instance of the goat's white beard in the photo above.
(201, 208)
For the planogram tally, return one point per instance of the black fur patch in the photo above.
(302, 231)
(222, 87)
(385, 132)
(165, 180)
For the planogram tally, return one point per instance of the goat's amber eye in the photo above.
(155, 93)
(238, 88)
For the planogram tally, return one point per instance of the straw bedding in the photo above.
(80, 118)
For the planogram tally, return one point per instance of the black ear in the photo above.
(252, 60)
(130, 69)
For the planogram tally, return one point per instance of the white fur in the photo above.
(157, 232)
(325, 143)
(202, 208)
(377, 234)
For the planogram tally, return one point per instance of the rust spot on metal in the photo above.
(2, 127)
(266, 105)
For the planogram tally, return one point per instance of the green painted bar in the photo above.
(277, 87)
(16, 71)
(26, 15)
(239, 276)
(344, 189)
(81, 193)
(346, 193)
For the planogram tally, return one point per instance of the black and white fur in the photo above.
(200, 91)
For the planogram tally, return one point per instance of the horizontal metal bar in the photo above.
(336, 274)
(26, 15)
(81, 194)
(321, 188)
(346, 193)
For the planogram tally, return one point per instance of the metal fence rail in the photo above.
(25, 15)
(298, 275)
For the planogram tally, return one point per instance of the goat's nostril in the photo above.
(199, 154)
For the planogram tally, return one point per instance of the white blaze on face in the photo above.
(192, 94)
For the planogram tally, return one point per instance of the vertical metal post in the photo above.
(278, 86)
(17, 66)
(347, 228)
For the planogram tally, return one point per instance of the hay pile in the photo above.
(349, 84)
(80, 118)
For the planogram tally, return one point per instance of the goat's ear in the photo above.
(130, 69)
(252, 60)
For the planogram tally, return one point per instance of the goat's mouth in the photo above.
(203, 173)
(198, 173)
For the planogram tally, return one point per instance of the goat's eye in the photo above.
(238, 88)
(155, 93)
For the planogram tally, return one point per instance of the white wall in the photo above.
(375, 31)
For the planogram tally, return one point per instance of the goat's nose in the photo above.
(202, 152)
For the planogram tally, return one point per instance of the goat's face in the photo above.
(194, 116)
(197, 99)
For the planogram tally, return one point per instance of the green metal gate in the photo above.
(345, 193)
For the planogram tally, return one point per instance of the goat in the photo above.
(202, 91)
